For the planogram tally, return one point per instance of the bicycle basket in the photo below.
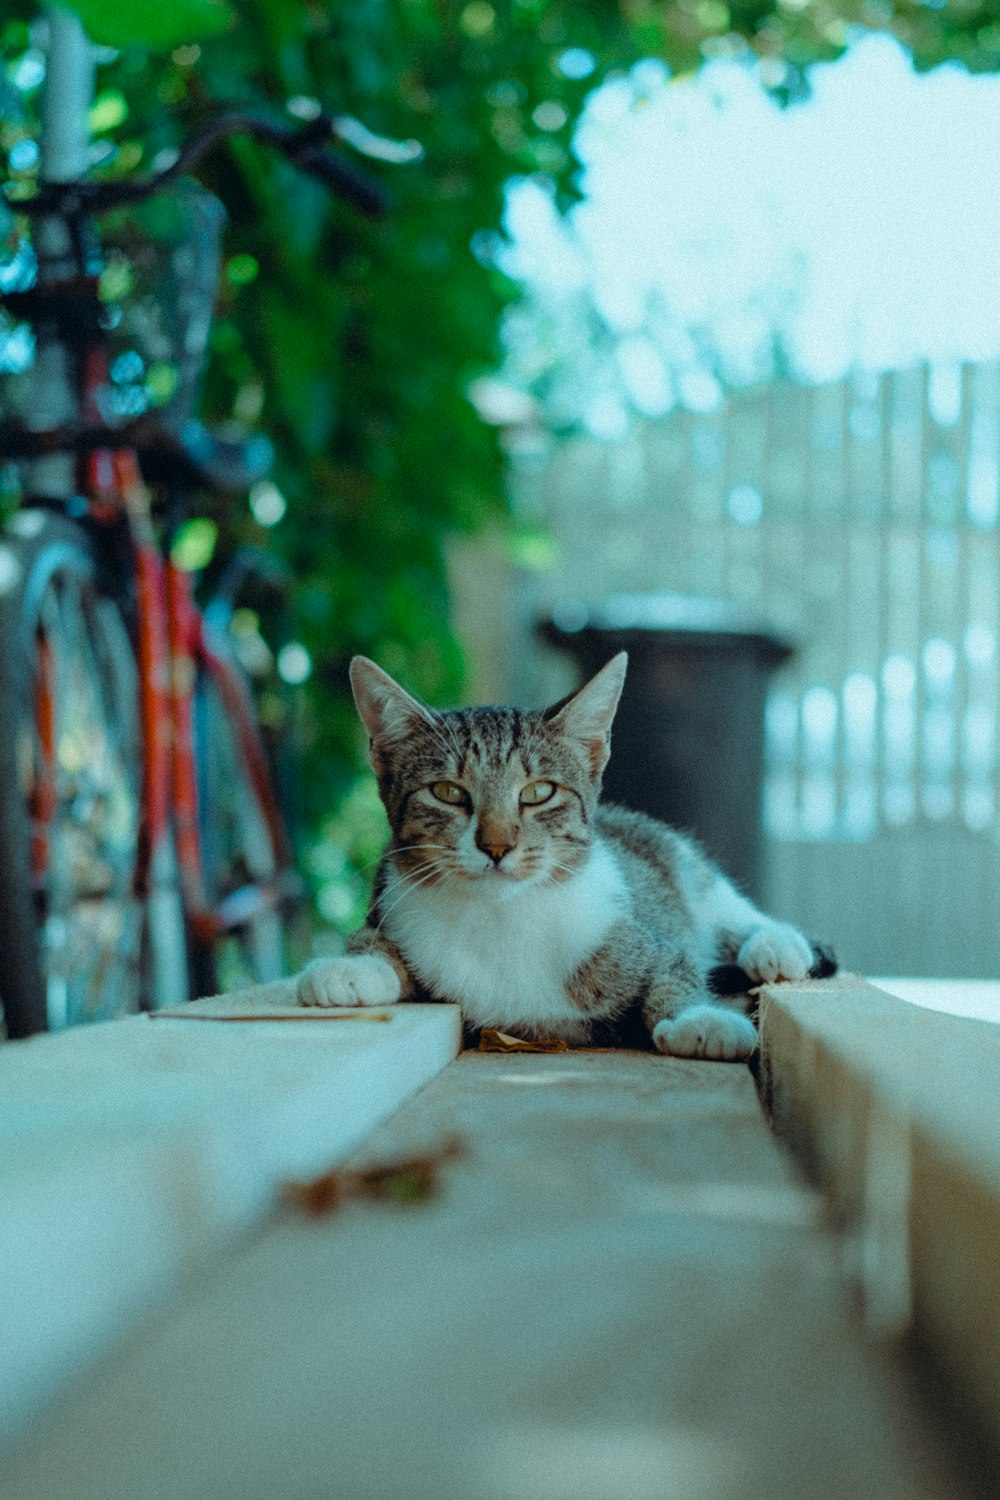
(17, 341)
(162, 272)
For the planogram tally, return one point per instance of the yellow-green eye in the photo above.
(450, 792)
(537, 792)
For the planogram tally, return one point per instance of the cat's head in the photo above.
(492, 795)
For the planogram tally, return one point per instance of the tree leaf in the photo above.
(151, 23)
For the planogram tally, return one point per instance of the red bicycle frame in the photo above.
(43, 800)
(173, 648)
(190, 651)
(173, 645)
(72, 396)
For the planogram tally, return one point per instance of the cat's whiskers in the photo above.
(409, 889)
(373, 864)
(398, 876)
(555, 868)
(425, 873)
(402, 849)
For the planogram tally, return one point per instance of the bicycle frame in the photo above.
(174, 643)
(79, 464)
(190, 648)
(171, 639)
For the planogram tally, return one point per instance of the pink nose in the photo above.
(496, 852)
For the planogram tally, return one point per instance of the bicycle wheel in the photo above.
(70, 785)
(242, 865)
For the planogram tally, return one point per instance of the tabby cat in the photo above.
(509, 890)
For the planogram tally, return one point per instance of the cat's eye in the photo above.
(450, 792)
(537, 792)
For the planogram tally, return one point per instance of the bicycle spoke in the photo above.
(89, 915)
(238, 846)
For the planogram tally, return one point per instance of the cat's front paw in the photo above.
(707, 1031)
(776, 951)
(357, 979)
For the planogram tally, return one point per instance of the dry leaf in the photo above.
(318, 1197)
(410, 1180)
(491, 1040)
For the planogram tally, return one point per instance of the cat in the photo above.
(509, 889)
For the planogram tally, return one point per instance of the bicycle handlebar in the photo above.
(305, 146)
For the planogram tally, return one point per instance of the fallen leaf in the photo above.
(491, 1040)
(410, 1180)
(318, 1197)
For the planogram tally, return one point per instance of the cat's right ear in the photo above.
(386, 710)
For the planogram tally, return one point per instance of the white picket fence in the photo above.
(860, 519)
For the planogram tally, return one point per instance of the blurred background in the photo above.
(685, 325)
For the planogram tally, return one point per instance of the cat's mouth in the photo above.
(497, 875)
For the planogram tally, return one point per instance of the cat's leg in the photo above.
(765, 949)
(685, 1020)
(682, 1017)
(699, 1026)
(621, 972)
(371, 972)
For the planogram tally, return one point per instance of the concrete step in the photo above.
(893, 1108)
(622, 1290)
(138, 1150)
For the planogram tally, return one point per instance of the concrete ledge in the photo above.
(895, 1110)
(135, 1149)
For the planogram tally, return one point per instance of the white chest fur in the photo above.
(505, 955)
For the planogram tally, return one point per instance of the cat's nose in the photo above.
(496, 852)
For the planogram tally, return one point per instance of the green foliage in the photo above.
(151, 23)
(352, 344)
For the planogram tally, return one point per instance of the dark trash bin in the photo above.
(688, 742)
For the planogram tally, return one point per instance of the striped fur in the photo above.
(508, 889)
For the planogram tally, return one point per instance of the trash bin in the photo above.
(688, 740)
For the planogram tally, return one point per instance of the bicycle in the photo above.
(139, 827)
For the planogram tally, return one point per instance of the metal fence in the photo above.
(860, 518)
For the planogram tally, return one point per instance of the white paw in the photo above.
(708, 1031)
(775, 951)
(358, 979)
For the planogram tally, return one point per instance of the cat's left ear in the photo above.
(386, 710)
(588, 714)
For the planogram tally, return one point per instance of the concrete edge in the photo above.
(137, 1150)
(892, 1109)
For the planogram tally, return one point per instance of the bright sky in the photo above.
(863, 226)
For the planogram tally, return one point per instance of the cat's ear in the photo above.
(387, 711)
(587, 714)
